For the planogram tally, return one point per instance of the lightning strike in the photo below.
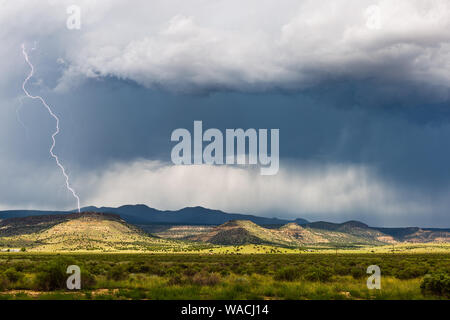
(63, 170)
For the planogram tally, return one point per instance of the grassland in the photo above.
(406, 248)
(237, 260)
(220, 276)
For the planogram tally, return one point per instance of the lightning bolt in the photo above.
(63, 170)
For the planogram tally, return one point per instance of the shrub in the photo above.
(20, 266)
(438, 284)
(52, 277)
(410, 273)
(341, 270)
(4, 283)
(318, 274)
(87, 280)
(206, 279)
(118, 272)
(177, 280)
(13, 275)
(224, 273)
(287, 274)
(358, 272)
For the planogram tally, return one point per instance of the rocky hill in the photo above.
(292, 234)
(238, 232)
(77, 231)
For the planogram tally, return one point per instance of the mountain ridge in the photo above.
(142, 214)
(197, 215)
(110, 232)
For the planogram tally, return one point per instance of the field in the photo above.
(225, 276)
(235, 260)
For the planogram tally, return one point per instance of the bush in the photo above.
(4, 282)
(358, 272)
(138, 267)
(87, 280)
(118, 272)
(287, 274)
(410, 273)
(190, 272)
(52, 277)
(318, 274)
(177, 280)
(12, 275)
(437, 284)
(206, 279)
(341, 270)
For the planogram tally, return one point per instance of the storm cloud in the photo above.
(358, 89)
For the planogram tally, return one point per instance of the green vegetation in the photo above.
(102, 232)
(82, 232)
(218, 276)
(438, 284)
(236, 260)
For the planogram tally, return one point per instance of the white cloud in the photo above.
(331, 192)
(328, 192)
(245, 46)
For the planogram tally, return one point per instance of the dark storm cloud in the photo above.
(410, 149)
(345, 93)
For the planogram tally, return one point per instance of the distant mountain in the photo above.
(300, 231)
(27, 213)
(387, 235)
(418, 235)
(300, 221)
(337, 226)
(142, 214)
(108, 231)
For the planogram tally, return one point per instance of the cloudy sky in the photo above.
(358, 88)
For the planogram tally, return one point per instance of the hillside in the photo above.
(238, 232)
(110, 232)
(244, 232)
(417, 235)
(78, 231)
(301, 234)
(191, 221)
(36, 223)
(385, 235)
(350, 232)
